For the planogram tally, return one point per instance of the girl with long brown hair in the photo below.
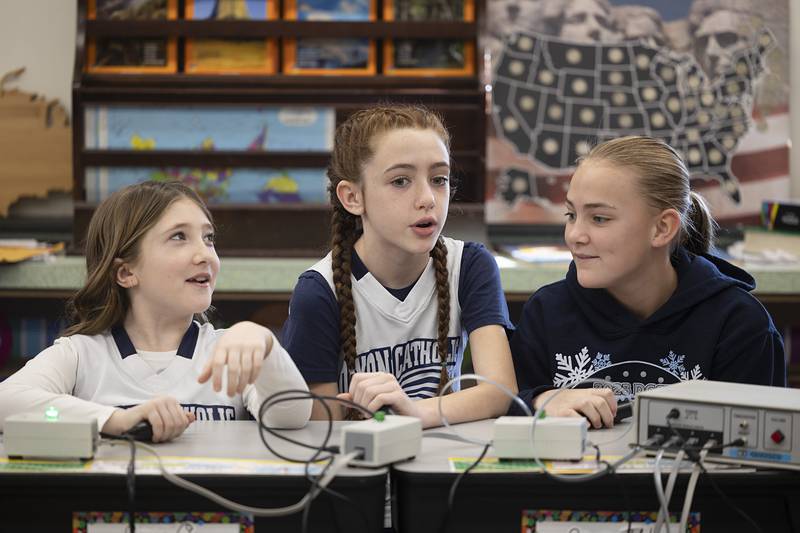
(385, 317)
(644, 303)
(139, 348)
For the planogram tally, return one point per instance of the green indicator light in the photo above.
(542, 414)
(379, 416)
(51, 414)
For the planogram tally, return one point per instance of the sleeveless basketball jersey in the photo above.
(400, 337)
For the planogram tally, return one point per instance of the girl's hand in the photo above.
(242, 348)
(164, 413)
(374, 390)
(599, 406)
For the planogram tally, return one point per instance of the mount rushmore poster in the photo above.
(710, 77)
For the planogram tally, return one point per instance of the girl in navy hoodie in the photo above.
(643, 304)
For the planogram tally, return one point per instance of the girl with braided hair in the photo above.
(384, 318)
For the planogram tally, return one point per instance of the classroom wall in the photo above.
(794, 104)
(40, 35)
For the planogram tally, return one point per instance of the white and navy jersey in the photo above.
(125, 379)
(396, 330)
(90, 376)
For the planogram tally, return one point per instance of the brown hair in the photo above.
(353, 148)
(664, 183)
(114, 233)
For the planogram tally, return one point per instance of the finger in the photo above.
(247, 370)
(361, 390)
(377, 389)
(359, 377)
(588, 410)
(355, 379)
(234, 370)
(218, 366)
(205, 373)
(258, 362)
(361, 393)
(605, 411)
(179, 419)
(345, 396)
(191, 417)
(382, 400)
(168, 417)
(607, 394)
(157, 423)
(608, 398)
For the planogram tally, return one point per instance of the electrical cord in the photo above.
(616, 476)
(662, 500)
(727, 500)
(673, 477)
(579, 478)
(687, 501)
(333, 465)
(454, 435)
(131, 485)
(572, 478)
(293, 395)
(664, 496)
(709, 446)
(458, 379)
(330, 471)
(297, 394)
(452, 494)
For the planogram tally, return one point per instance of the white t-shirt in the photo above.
(90, 376)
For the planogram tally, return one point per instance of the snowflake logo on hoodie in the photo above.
(578, 367)
(674, 363)
(696, 373)
(601, 360)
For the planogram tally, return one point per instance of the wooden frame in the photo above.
(270, 65)
(390, 69)
(171, 49)
(290, 50)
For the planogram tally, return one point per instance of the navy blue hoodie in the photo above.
(710, 328)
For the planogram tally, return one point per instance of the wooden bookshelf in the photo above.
(270, 229)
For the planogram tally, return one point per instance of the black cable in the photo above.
(301, 395)
(727, 500)
(623, 489)
(293, 395)
(687, 449)
(451, 497)
(693, 455)
(131, 482)
(614, 474)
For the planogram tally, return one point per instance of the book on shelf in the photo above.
(429, 57)
(132, 55)
(231, 56)
(327, 56)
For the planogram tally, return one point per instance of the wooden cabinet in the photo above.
(275, 229)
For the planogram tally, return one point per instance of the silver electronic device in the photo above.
(766, 419)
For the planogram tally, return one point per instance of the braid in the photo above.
(343, 233)
(439, 254)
